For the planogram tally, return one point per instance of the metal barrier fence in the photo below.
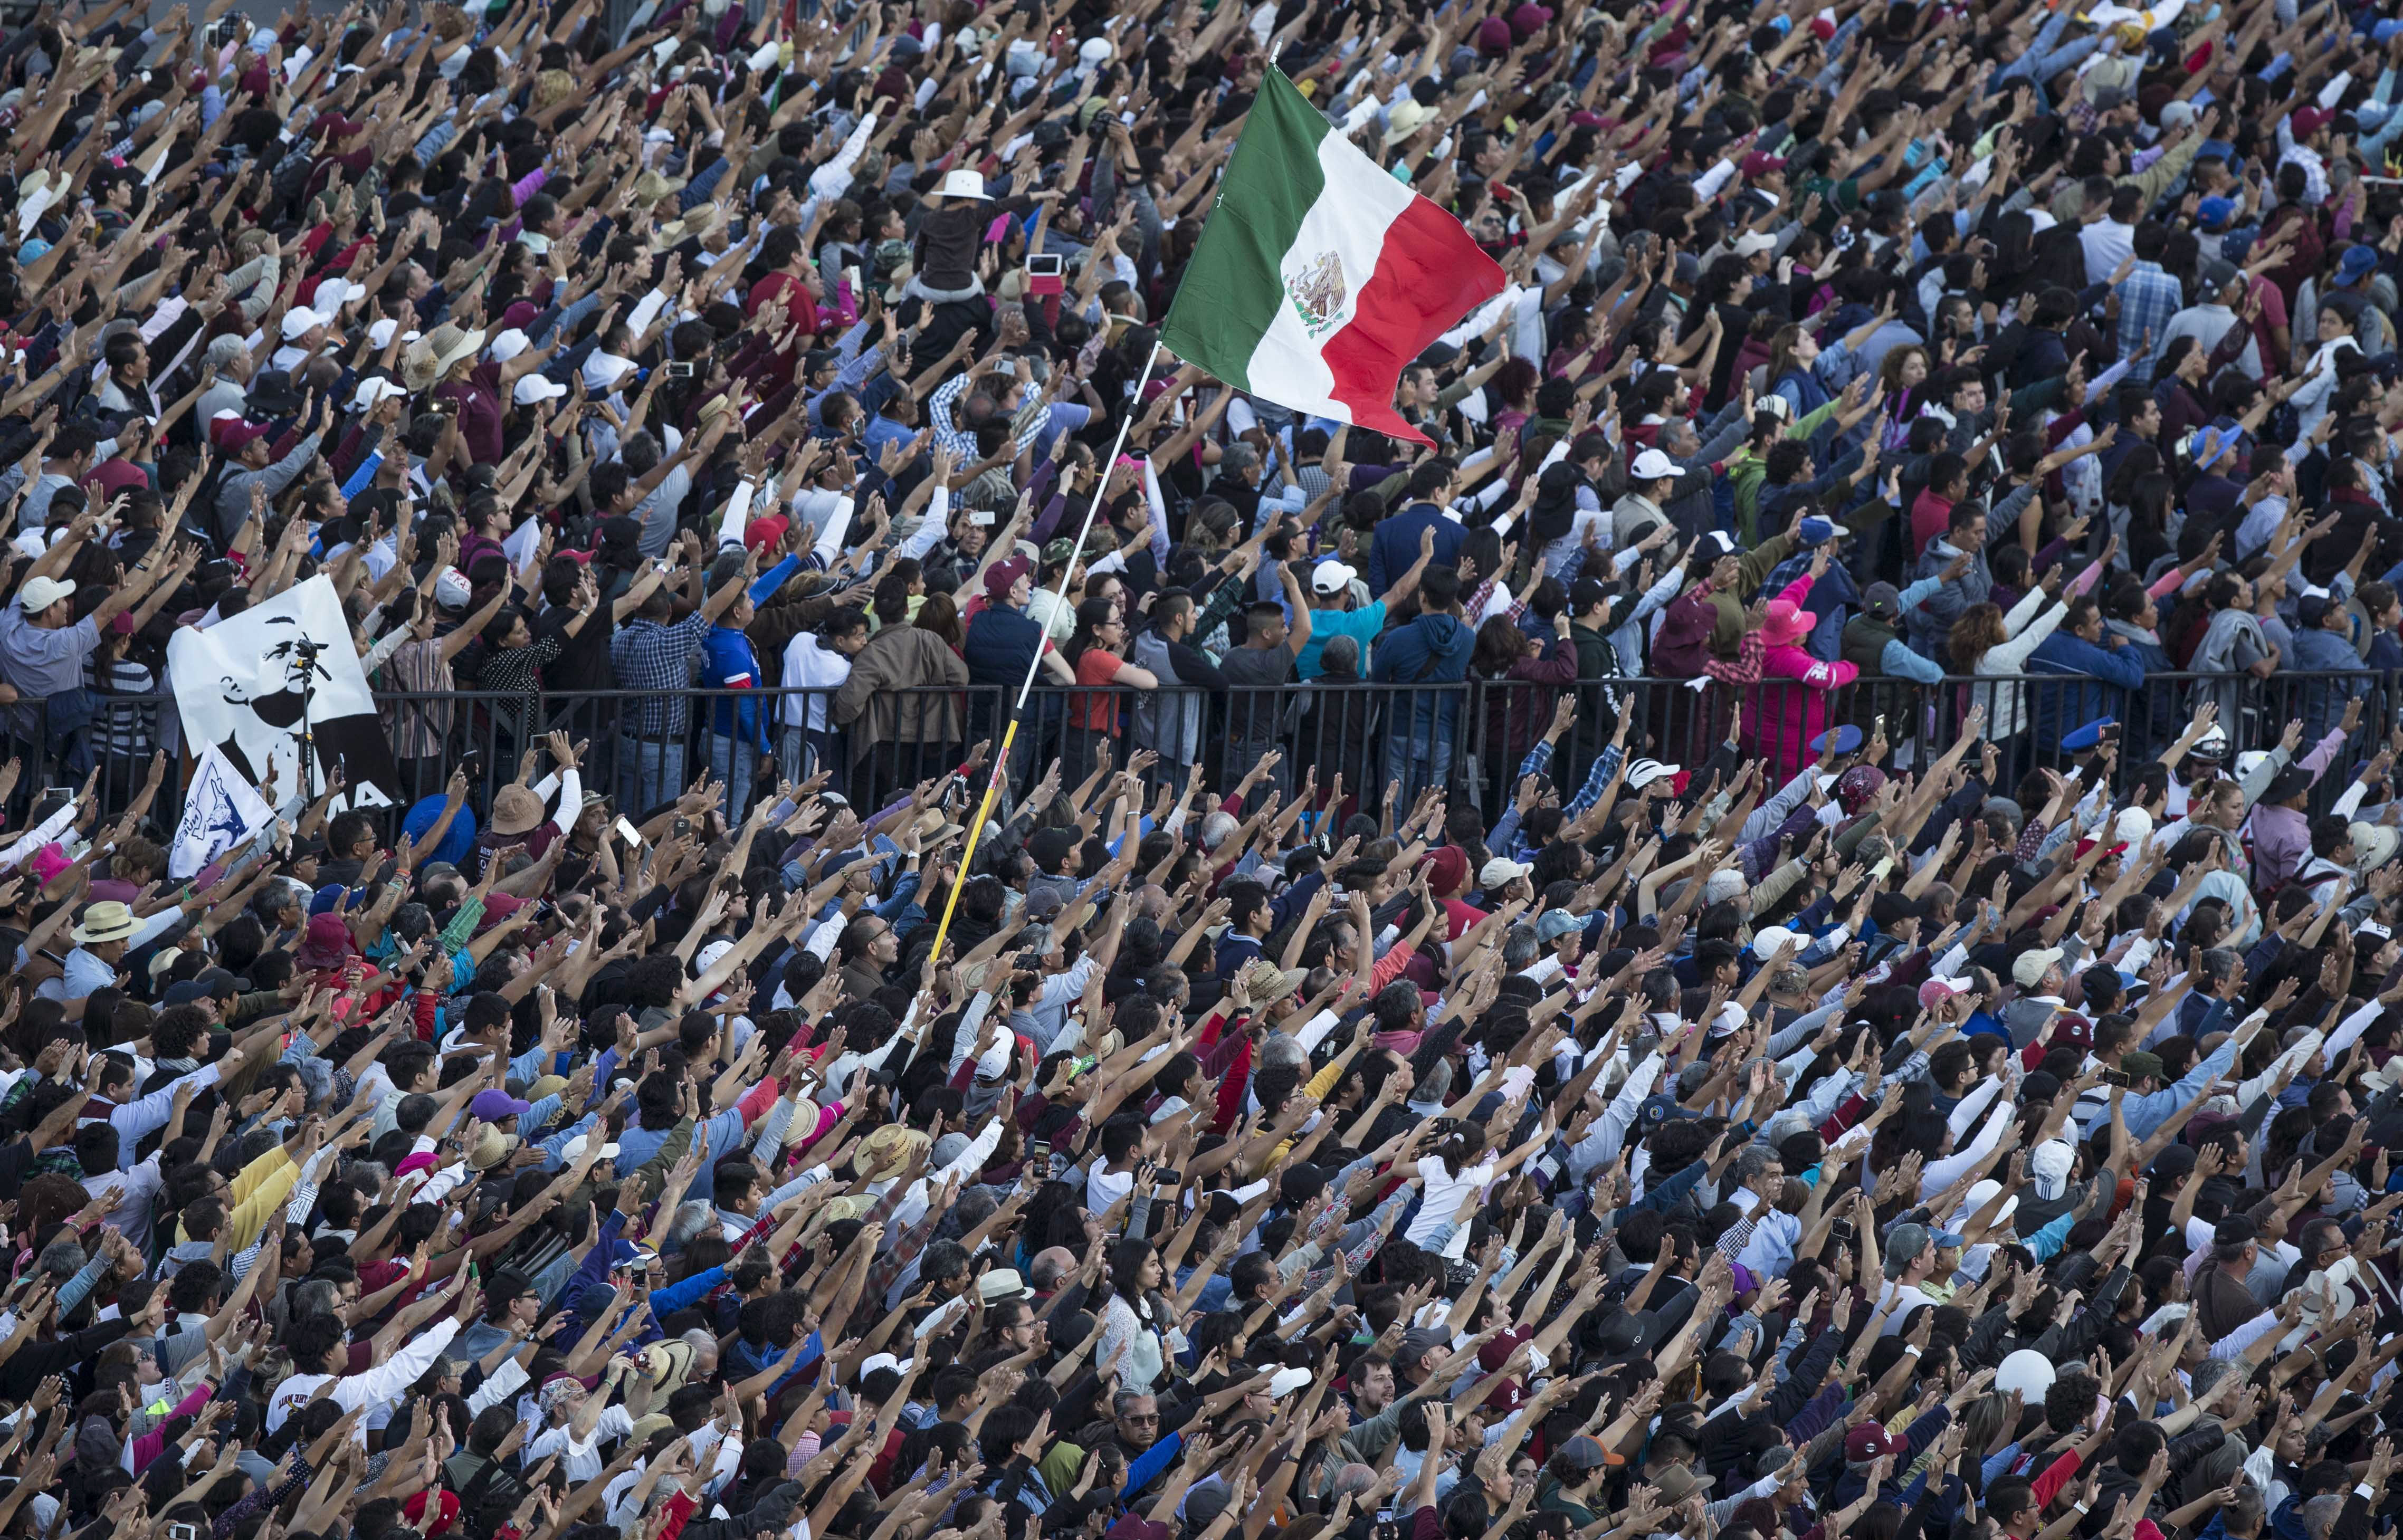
(1471, 735)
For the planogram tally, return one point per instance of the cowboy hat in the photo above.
(493, 1146)
(104, 921)
(650, 187)
(887, 1151)
(668, 1362)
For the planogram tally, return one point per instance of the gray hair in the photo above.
(62, 1258)
(971, 1207)
(2319, 1515)
(315, 1297)
(1277, 1049)
(1340, 652)
(691, 1218)
(1123, 1402)
(2219, 964)
(1354, 1478)
(1217, 829)
(280, 892)
(1722, 885)
(1519, 949)
(2205, 1375)
(1750, 1162)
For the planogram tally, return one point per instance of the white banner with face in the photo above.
(241, 685)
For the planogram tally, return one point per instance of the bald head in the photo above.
(1049, 1266)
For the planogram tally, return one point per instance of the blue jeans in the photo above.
(1418, 759)
(802, 751)
(650, 773)
(736, 762)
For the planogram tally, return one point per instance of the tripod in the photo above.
(301, 658)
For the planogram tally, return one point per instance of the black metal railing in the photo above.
(1471, 735)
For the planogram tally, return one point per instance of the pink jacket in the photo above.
(1788, 708)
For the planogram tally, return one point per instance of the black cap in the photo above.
(1892, 908)
(2235, 1231)
(2288, 785)
(1624, 1334)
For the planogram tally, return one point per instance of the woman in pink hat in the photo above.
(1788, 708)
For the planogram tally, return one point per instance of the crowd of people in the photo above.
(1782, 926)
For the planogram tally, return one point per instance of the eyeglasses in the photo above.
(1139, 1418)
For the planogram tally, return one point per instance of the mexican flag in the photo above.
(1319, 276)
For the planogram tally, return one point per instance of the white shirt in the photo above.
(581, 1461)
(1443, 1196)
(2108, 243)
(812, 665)
(384, 1382)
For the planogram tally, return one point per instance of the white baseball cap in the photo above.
(602, 370)
(297, 320)
(1652, 466)
(535, 388)
(40, 593)
(508, 344)
(379, 334)
(1333, 576)
(1768, 941)
(373, 393)
(1645, 772)
(1499, 870)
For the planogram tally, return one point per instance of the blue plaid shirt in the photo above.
(2148, 297)
(658, 661)
(1539, 761)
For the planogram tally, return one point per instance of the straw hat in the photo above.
(650, 187)
(493, 1146)
(104, 921)
(515, 810)
(430, 359)
(696, 225)
(889, 1149)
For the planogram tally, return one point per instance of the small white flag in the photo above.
(221, 810)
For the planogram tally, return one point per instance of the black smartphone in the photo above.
(682, 827)
(2115, 1077)
(1168, 1178)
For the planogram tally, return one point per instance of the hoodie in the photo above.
(1434, 648)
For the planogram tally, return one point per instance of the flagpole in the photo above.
(1026, 687)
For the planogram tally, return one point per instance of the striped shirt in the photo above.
(122, 729)
(419, 668)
